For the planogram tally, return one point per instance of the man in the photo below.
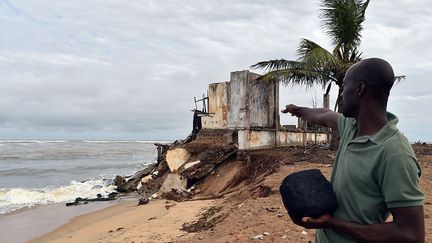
(375, 172)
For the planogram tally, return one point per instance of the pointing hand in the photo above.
(293, 109)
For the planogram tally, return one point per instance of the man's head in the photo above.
(366, 83)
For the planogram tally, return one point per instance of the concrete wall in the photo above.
(248, 139)
(251, 107)
(301, 138)
(218, 107)
(252, 103)
(314, 138)
(238, 100)
(262, 103)
(289, 138)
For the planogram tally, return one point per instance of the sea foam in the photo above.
(17, 198)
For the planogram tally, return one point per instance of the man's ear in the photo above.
(361, 89)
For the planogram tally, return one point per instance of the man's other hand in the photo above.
(315, 223)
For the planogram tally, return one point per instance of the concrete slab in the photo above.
(176, 158)
(174, 181)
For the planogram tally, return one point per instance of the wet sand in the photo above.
(26, 224)
(158, 221)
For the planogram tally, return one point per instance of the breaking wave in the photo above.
(12, 199)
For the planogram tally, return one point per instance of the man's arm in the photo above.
(407, 226)
(320, 116)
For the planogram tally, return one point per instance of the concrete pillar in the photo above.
(302, 124)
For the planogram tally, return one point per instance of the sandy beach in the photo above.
(158, 221)
(243, 215)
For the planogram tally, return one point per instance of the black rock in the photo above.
(113, 194)
(68, 204)
(143, 201)
(307, 194)
(99, 195)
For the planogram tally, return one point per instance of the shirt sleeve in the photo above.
(342, 121)
(400, 182)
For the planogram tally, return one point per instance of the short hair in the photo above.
(375, 73)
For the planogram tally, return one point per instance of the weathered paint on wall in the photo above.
(237, 100)
(262, 103)
(301, 138)
(248, 139)
(251, 107)
(218, 107)
(289, 138)
(314, 138)
(252, 102)
(251, 139)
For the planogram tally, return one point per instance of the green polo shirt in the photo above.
(370, 175)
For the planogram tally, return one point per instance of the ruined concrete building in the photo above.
(251, 107)
(241, 114)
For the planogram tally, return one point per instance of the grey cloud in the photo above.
(107, 68)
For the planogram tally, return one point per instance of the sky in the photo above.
(112, 69)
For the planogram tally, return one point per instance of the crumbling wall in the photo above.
(289, 138)
(284, 138)
(218, 107)
(262, 103)
(317, 138)
(252, 102)
(238, 115)
(253, 109)
(250, 106)
(248, 139)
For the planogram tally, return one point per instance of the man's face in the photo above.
(349, 99)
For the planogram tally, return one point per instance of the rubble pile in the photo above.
(211, 165)
(181, 165)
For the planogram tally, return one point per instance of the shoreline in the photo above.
(25, 224)
(158, 221)
(249, 212)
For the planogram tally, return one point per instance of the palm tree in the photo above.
(342, 21)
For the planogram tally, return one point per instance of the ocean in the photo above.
(37, 172)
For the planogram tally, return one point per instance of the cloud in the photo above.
(115, 69)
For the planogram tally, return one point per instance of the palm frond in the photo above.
(342, 20)
(299, 74)
(314, 55)
(355, 55)
(274, 64)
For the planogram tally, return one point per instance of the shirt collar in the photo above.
(382, 135)
(387, 130)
